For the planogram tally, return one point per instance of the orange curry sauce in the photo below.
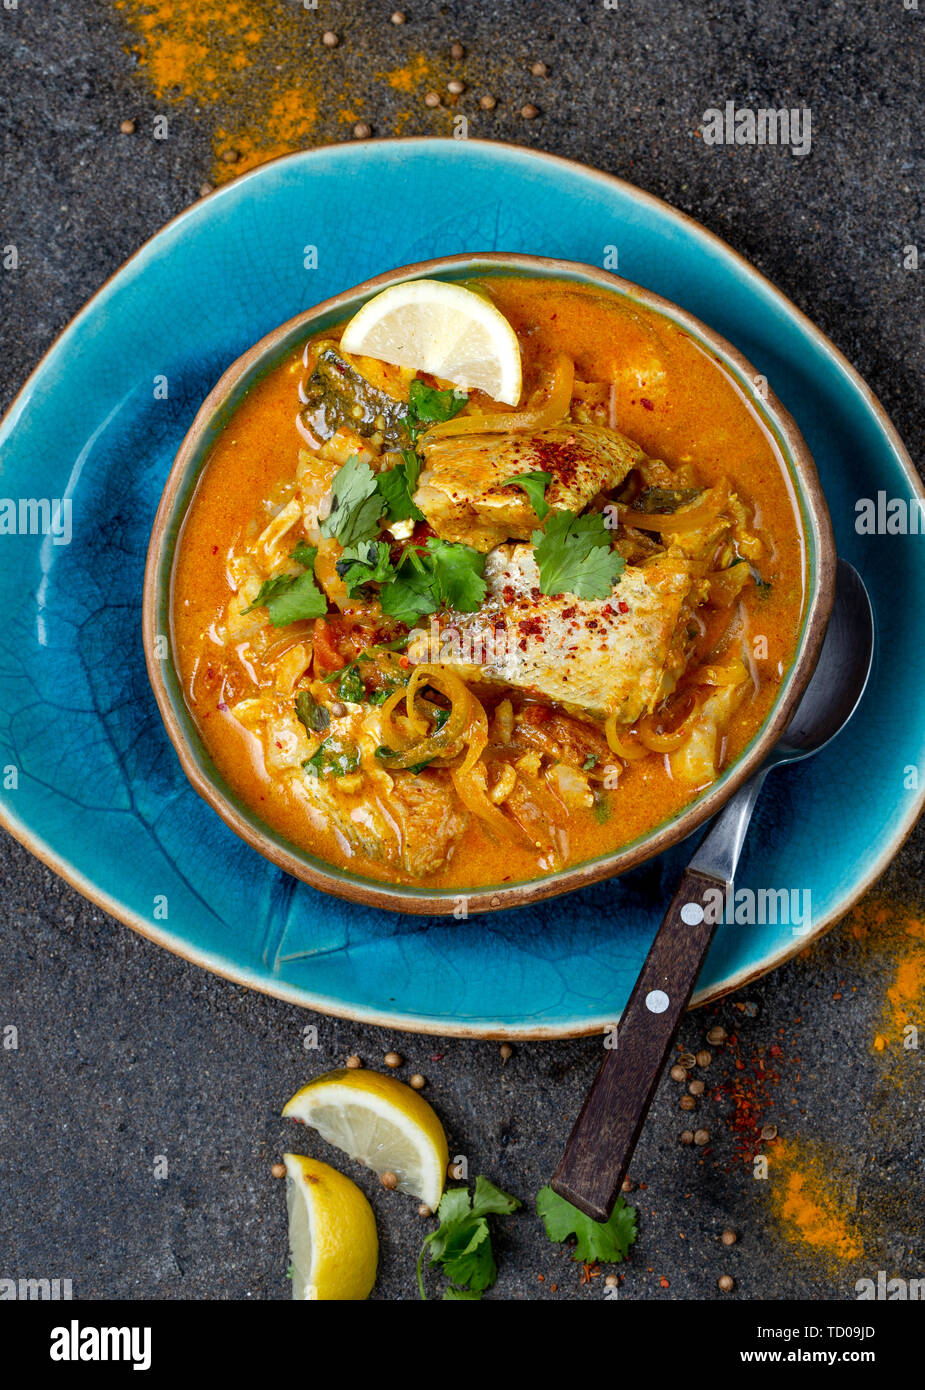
(672, 397)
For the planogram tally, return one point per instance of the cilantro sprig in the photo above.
(439, 574)
(397, 485)
(461, 1244)
(573, 556)
(607, 1242)
(291, 597)
(534, 485)
(356, 504)
(428, 406)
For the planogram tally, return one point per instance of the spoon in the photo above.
(601, 1144)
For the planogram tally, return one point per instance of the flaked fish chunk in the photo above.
(462, 489)
(616, 656)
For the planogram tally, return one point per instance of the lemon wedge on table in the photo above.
(380, 1122)
(334, 1249)
(446, 330)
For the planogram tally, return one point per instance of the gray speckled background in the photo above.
(125, 1052)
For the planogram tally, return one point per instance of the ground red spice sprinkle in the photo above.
(749, 1091)
(589, 1272)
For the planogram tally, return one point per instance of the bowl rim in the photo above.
(192, 458)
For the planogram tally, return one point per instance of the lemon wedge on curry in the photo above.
(380, 1122)
(333, 1246)
(443, 329)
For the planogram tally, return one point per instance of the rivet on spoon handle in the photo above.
(601, 1144)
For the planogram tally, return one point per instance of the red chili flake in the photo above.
(437, 1056)
(589, 1271)
(646, 403)
(623, 606)
(570, 612)
(665, 1283)
(215, 550)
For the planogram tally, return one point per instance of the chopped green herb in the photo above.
(315, 717)
(534, 485)
(351, 687)
(304, 555)
(440, 718)
(605, 1241)
(573, 555)
(367, 655)
(366, 563)
(290, 597)
(333, 759)
(396, 486)
(461, 1245)
(356, 504)
(590, 761)
(428, 406)
(442, 574)
(601, 810)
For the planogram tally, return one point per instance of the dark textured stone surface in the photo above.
(126, 1053)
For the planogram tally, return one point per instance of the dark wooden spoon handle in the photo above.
(601, 1144)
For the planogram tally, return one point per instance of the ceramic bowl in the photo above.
(192, 458)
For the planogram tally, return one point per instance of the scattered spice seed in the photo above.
(487, 102)
(687, 1103)
(457, 50)
(687, 1059)
(729, 1237)
(704, 1058)
(330, 39)
(418, 1082)
(716, 1035)
(393, 1059)
(278, 1170)
(432, 99)
(611, 1280)
(338, 709)
(205, 189)
(539, 69)
(529, 112)
(362, 131)
(726, 1283)
(687, 1136)
(627, 1185)
(397, 17)
(127, 127)
(389, 1181)
(354, 1062)
(506, 1051)
(701, 1137)
(697, 1088)
(769, 1131)
(229, 156)
(424, 1210)
(678, 1073)
(456, 87)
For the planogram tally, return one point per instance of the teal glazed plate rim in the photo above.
(217, 413)
(89, 781)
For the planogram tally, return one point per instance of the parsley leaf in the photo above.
(356, 504)
(608, 1241)
(427, 406)
(366, 563)
(462, 1242)
(573, 556)
(315, 717)
(396, 487)
(534, 485)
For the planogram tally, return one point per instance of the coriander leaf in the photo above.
(356, 505)
(427, 406)
(366, 563)
(351, 687)
(270, 588)
(333, 759)
(458, 570)
(489, 1198)
(469, 1295)
(396, 486)
(590, 761)
(608, 1241)
(315, 717)
(411, 595)
(289, 597)
(573, 556)
(305, 555)
(534, 485)
(461, 1245)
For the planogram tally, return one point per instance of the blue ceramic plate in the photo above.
(89, 780)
